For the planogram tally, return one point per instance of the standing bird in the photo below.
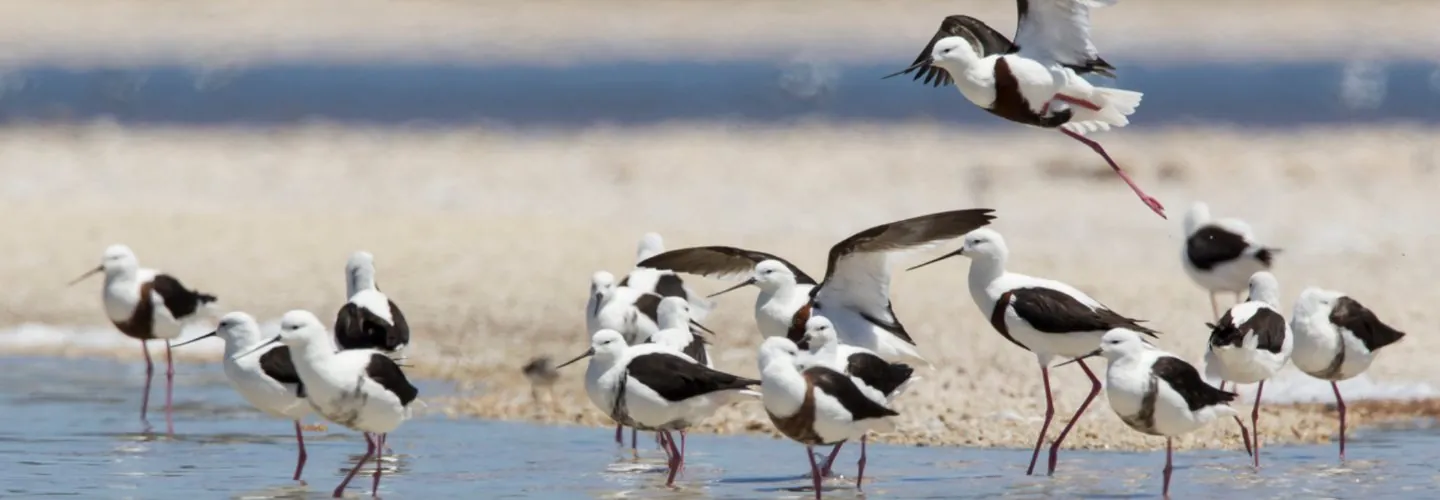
(1155, 392)
(1249, 344)
(655, 387)
(1046, 317)
(784, 288)
(369, 319)
(362, 389)
(816, 405)
(1221, 255)
(662, 282)
(1035, 80)
(267, 381)
(879, 380)
(677, 333)
(855, 293)
(145, 304)
(1335, 339)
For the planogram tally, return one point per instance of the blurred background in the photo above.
(492, 154)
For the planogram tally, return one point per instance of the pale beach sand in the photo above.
(222, 32)
(487, 238)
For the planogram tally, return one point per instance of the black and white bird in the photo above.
(1336, 338)
(1035, 80)
(655, 387)
(677, 332)
(362, 389)
(266, 378)
(662, 282)
(1045, 317)
(784, 288)
(369, 319)
(1250, 344)
(1220, 255)
(1157, 393)
(855, 293)
(815, 405)
(879, 380)
(145, 304)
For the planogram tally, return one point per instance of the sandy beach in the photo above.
(487, 239)
(227, 32)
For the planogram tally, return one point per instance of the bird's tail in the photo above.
(1115, 107)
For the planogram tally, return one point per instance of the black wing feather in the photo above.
(276, 364)
(360, 328)
(1184, 379)
(1267, 325)
(718, 260)
(876, 372)
(1212, 245)
(179, 300)
(677, 379)
(670, 285)
(839, 386)
(384, 371)
(1053, 311)
(1351, 315)
(909, 233)
(985, 39)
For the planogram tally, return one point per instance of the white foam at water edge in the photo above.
(1293, 386)
(39, 338)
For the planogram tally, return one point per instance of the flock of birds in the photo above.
(834, 356)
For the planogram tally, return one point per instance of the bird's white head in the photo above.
(601, 283)
(359, 273)
(1120, 342)
(777, 349)
(673, 312)
(606, 346)
(982, 244)
(770, 275)
(117, 260)
(953, 52)
(819, 332)
(1198, 215)
(237, 329)
(302, 332)
(1315, 301)
(1265, 288)
(650, 245)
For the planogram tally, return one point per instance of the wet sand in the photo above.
(120, 32)
(487, 239)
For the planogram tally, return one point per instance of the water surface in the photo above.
(69, 428)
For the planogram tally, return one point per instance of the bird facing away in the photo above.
(1037, 79)
(1250, 344)
(855, 292)
(1336, 338)
(145, 304)
(266, 379)
(1220, 255)
(362, 389)
(677, 333)
(879, 380)
(369, 319)
(655, 387)
(1043, 316)
(1155, 392)
(816, 405)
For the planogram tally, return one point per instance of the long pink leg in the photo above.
(675, 459)
(1049, 414)
(1149, 201)
(149, 374)
(682, 449)
(815, 475)
(299, 440)
(1094, 391)
(860, 477)
(619, 436)
(1244, 434)
(1255, 421)
(379, 454)
(1077, 101)
(369, 452)
(1340, 405)
(169, 388)
(1169, 451)
(830, 461)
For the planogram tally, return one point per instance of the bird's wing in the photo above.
(1186, 381)
(858, 272)
(985, 39)
(718, 262)
(385, 372)
(1363, 324)
(180, 301)
(676, 378)
(1058, 31)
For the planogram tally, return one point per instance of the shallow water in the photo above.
(1251, 94)
(69, 428)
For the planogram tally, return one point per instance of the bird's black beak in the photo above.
(918, 64)
(194, 340)
(702, 327)
(87, 275)
(1076, 360)
(588, 353)
(275, 340)
(938, 259)
(744, 284)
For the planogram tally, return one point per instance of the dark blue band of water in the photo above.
(1250, 94)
